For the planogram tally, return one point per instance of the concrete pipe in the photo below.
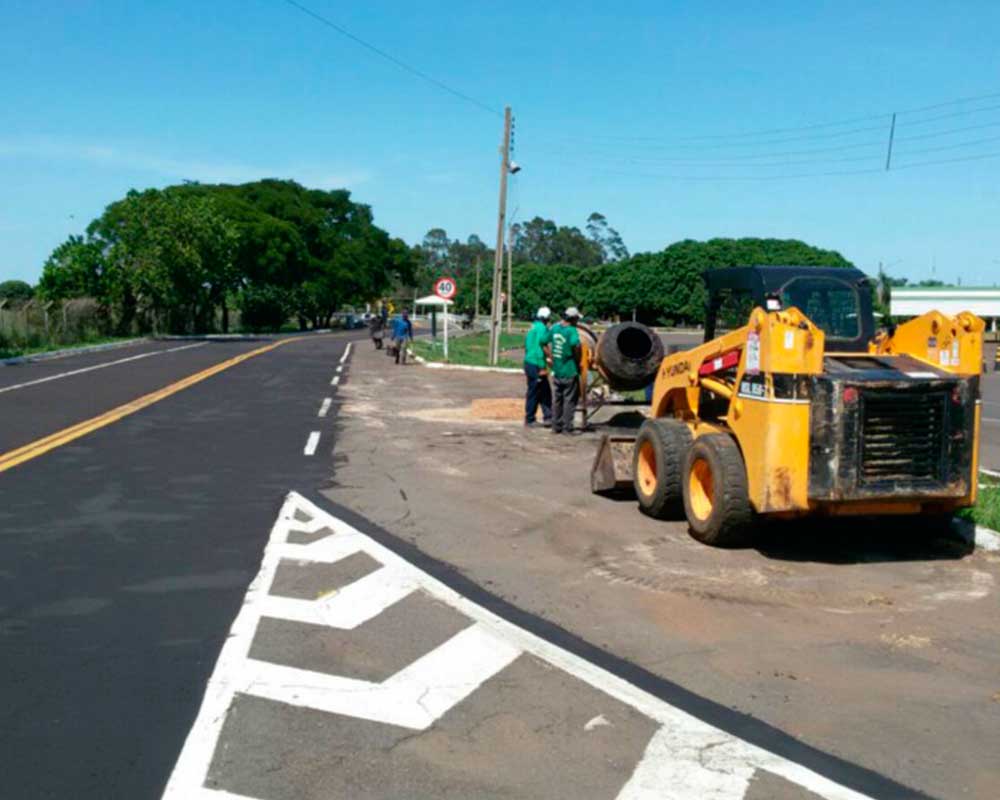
(628, 355)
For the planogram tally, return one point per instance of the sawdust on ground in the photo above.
(494, 409)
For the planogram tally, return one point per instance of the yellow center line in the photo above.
(40, 446)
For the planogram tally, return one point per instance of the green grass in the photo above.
(986, 511)
(13, 351)
(471, 350)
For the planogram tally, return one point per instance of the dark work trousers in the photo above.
(539, 393)
(566, 392)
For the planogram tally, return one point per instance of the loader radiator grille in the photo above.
(902, 437)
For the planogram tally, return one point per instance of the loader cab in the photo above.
(837, 300)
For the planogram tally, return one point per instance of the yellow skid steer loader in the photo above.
(802, 408)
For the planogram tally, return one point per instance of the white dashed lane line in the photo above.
(684, 758)
(312, 443)
(347, 352)
(335, 381)
(324, 407)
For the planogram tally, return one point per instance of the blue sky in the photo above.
(639, 110)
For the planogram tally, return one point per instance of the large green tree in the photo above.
(174, 258)
(657, 287)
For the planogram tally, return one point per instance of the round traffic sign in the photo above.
(445, 288)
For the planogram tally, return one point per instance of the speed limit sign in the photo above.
(445, 288)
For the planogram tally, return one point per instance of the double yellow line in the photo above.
(38, 447)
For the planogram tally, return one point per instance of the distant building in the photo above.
(912, 302)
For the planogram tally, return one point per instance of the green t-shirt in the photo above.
(564, 339)
(537, 337)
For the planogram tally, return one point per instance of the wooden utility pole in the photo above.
(498, 254)
(479, 262)
(510, 279)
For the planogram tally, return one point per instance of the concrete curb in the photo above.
(975, 536)
(70, 351)
(987, 539)
(466, 367)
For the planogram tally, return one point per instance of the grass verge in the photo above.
(471, 350)
(986, 511)
(13, 351)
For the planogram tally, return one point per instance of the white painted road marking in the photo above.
(686, 759)
(335, 381)
(347, 352)
(415, 697)
(312, 443)
(99, 366)
(324, 406)
(340, 369)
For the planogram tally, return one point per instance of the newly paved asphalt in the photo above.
(126, 553)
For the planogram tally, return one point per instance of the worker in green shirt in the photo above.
(566, 352)
(536, 371)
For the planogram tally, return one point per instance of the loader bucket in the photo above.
(612, 469)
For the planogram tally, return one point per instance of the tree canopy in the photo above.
(16, 290)
(172, 259)
(658, 287)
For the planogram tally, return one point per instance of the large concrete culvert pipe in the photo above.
(628, 355)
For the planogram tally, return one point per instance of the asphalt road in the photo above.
(172, 619)
(126, 553)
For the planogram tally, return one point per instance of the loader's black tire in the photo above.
(716, 500)
(659, 454)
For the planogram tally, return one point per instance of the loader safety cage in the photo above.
(819, 292)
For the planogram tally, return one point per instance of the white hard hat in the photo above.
(572, 313)
(544, 312)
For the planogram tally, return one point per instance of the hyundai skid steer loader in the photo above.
(802, 408)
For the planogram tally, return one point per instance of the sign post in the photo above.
(445, 288)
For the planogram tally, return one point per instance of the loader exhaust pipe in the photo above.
(628, 355)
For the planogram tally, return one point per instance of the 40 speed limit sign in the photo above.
(445, 288)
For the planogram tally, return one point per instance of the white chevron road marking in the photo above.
(686, 759)
(415, 697)
(350, 607)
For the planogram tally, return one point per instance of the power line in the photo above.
(393, 60)
(760, 159)
(959, 101)
(952, 115)
(936, 134)
(977, 157)
(685, 141)
(954, 146)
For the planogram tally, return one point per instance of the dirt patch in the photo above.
(498, 409)
(502, 408)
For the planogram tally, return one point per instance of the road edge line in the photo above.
(39, 447)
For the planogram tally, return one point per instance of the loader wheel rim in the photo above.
(647, 468)
(701, 489)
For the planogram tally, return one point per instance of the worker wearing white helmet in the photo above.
(536, 370)
(566, 353)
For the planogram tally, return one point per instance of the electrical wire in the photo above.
(392, 59)
(952, 115)
(885, 116)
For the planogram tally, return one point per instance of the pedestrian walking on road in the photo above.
(566, 353)
(376, 326)
(402, 335)
(536, 372)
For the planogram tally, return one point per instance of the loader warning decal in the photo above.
(753, 353)
(753, 388)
